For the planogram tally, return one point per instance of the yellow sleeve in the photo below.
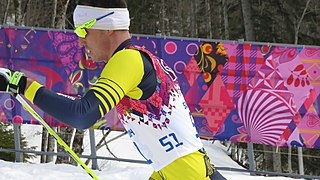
(31, 91)
(120, 77)
(126, 69)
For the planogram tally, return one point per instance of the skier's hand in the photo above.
(12, 81)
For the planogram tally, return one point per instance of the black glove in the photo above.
(12, 81)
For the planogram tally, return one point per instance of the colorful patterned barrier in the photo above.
(266, 94)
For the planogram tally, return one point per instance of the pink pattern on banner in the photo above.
(296, 79)
(269, 78)
(17, 119)
(68, 48)
(243, 63)
(284, 137)
(179, 67)
(230, 48)
(310, 60)
(9, 104)
(192, 71)
(191, 49)
(216, 104)
(242, 137)
(11, 34)
(170, 47)
(264, 115)
(285, 54)
(295, 138)
(286, 77)
(310, 100)
(309, 127)
(310, 53)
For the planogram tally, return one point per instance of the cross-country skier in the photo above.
(141, 86)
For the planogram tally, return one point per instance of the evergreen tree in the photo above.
(7, 142)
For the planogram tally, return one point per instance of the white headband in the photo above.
(119, 20)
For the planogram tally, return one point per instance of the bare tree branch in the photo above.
(6, 13)
(296, 36)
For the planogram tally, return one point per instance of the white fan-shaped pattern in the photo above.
(265, 116)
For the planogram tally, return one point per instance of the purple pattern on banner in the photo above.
(243, 62)
(285, 54)
(238, 92)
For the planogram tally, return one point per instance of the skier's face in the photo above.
(97, 44)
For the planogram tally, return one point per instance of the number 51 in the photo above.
(169, 141)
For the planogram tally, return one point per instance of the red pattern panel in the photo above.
(216, 104)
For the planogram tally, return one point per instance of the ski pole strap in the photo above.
(14, 83)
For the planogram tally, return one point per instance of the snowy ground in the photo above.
(113, 170)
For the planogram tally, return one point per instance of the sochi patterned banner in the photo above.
(240, 92)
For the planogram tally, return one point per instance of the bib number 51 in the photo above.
(170, 142)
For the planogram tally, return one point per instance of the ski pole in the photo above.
(59, 140)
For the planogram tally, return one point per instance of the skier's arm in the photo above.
(120, 77)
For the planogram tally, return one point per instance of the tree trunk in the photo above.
(24, 12)
(208, 13)
(276, 159)
(74, 140)
(65, 134)
(163, 17)
(5, 16)
(193, 20)
(225, 20)
(289, 159)
(235, 151)
(54, 13)
(44, 144)
(51, 146)
(61, 14)
(78, 143)
(38, 15)
(220, 20)
(179, 18)
(247, 19)
(267, 158)
(18, 12)
(2, 9)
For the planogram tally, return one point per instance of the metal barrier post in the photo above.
(252, 164)
(93, 149)
(17, 144)
(300, 159)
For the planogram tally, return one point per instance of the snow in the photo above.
(115, 170)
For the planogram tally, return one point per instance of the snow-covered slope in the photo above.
(113, 170)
